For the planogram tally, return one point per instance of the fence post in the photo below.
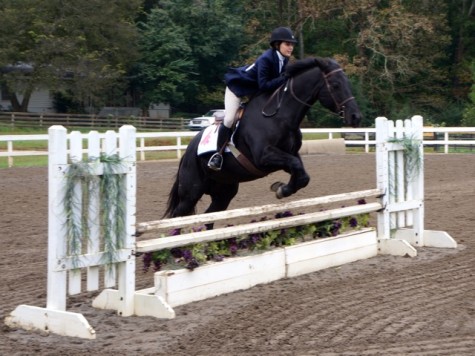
(178, 151)
(10, 153)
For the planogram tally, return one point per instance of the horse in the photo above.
(267, 139)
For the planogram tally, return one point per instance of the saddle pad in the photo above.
(209, 140)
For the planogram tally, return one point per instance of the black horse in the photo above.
(268, 137)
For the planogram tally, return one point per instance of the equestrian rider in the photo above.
(264, 75)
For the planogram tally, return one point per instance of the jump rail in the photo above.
(400, 226)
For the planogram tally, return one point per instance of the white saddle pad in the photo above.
(209, 140)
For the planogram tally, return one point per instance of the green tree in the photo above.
(185, 47)
(469, 112)
(79, 47)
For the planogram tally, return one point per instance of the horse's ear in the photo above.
(321, 63)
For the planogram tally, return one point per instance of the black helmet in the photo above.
(283, 34)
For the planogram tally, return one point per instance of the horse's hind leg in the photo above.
(188, 197)
(221, 195)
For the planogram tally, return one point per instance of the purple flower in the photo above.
(175, 232)
(192, 264)
(157, 265)
(198, 228)
(176, 252)
(187, 255)
(218, 258)
(361, 201)
(335, 228)
(284, 214)
(353, 222)
(233, 249)
(147, 261)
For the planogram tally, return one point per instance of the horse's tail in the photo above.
(173, 197)
(173, 200)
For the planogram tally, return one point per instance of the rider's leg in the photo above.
(231, 106)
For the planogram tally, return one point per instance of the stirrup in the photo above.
(215, 162)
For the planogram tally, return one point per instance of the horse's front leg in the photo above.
(273, 157)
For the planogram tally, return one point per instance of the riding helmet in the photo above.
(282, 34)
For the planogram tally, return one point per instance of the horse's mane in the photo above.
(302, 65)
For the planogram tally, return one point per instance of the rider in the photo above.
(265, 74)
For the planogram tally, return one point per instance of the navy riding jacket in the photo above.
(262, 75)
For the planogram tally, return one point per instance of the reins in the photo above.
(279, 101)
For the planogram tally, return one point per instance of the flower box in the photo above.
(178, 287)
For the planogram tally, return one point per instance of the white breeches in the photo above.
(231, 106)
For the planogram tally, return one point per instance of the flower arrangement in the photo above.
(193, 256)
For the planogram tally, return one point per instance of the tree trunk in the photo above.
(16, 105)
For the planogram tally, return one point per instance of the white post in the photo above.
(93, 245)
(75, 155)
(127, 152)
(178, 143)
(400, 168)
(417, 181)
(57, 158)
(382, 176)
(10, 152)
(110, 148)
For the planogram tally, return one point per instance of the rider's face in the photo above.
(286, 48)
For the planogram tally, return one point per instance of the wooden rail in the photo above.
(161, 243)
(255, 210)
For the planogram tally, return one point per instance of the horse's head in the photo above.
(336, 94)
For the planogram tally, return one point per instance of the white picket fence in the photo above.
(400, 226)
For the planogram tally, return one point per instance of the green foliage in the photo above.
(185, 48)
(77, 207)
(403, 57)
(469, 116)
(469, 112)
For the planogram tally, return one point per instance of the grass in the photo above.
(8, 130)
(25, 161)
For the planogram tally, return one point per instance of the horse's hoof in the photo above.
(275, 186)
(280, 193)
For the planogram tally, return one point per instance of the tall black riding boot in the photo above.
(216, 161)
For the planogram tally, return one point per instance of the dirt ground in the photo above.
(381, 306)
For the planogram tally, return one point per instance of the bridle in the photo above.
(340, 107)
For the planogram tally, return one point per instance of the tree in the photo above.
(83, 47)
(185, 47)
